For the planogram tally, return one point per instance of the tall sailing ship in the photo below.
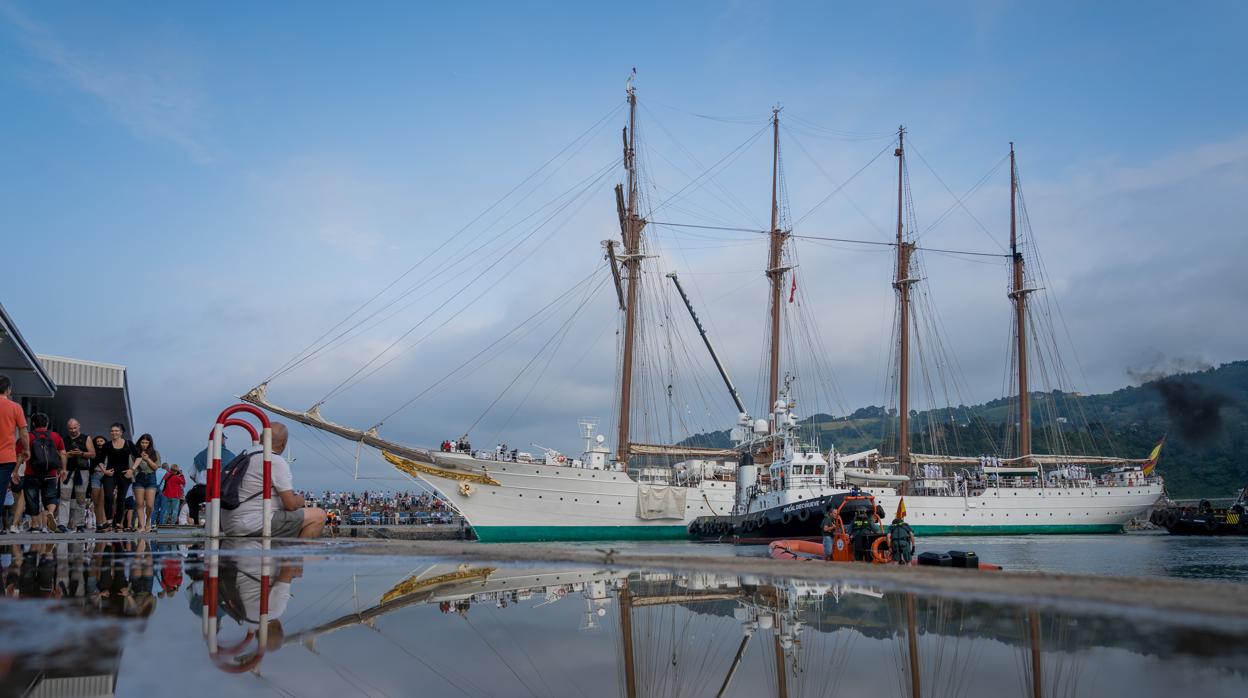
(650, 490)
(980, 495)
(510, 497)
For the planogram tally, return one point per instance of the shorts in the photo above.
(97, 479)
(145, 481)
(286, 524)
(38, 486)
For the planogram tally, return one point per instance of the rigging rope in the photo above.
(296, 360)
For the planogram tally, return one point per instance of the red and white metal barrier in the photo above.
(232, 658)
(264, 437)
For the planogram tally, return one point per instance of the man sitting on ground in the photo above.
(290, 518)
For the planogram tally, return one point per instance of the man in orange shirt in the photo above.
(12, 430)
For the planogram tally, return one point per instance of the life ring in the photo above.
(465, 489)
(803, 514)
(879, 551)
(786, 518)
(561, 460)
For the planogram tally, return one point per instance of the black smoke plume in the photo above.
(1195, 411)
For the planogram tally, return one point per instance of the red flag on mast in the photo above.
(793, 288)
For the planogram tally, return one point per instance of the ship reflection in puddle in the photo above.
(319, 621)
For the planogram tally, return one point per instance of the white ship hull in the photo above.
(534, 502)
(1025, 510)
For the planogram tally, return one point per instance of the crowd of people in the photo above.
(65, 479)
(68, 480)
(384, 502)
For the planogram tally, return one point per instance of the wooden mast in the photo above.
(626, 629)
(632, 266)
(902, 284)
(1019, 295)
(774, 270)
(782, 681)
(912, 647)
(1037, 666)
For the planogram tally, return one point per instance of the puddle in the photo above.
(124, 619)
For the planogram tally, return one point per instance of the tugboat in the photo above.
(792, 498)
(1205, 520)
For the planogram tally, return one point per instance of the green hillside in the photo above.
(1203, 414)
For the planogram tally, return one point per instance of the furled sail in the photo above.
(639, 449)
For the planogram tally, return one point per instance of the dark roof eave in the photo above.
(10, 328)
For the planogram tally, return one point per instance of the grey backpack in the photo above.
(232, 475)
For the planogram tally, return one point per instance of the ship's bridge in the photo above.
(800, 469)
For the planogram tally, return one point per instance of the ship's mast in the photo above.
(902, 284)
(774, 271)
(626, 631)
(632, 266)
(1019, 295)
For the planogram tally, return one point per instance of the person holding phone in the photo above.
(76, 480)
(146, 463)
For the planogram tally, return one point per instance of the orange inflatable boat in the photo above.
(810, 551)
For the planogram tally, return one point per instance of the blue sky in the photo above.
(214, 185)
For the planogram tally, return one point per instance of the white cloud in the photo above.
(151, 92)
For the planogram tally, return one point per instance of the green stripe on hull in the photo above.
(521, 534)
(920, 530)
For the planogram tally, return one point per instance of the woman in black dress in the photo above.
(117, 472)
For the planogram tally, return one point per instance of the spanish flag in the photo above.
(1151, 463)
(901, 508)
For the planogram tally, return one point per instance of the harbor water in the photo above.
(1142, 554)
(344, 618)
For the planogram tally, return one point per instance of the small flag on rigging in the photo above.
(793, 288)
(1151, 463)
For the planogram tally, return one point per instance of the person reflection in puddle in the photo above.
(239, 598)
(111, 583)
(31, 574)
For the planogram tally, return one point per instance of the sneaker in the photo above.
(13, 529)
(62, 529)
(43, 529)
(82, 529)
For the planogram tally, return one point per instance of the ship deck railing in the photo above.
(957, 487)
